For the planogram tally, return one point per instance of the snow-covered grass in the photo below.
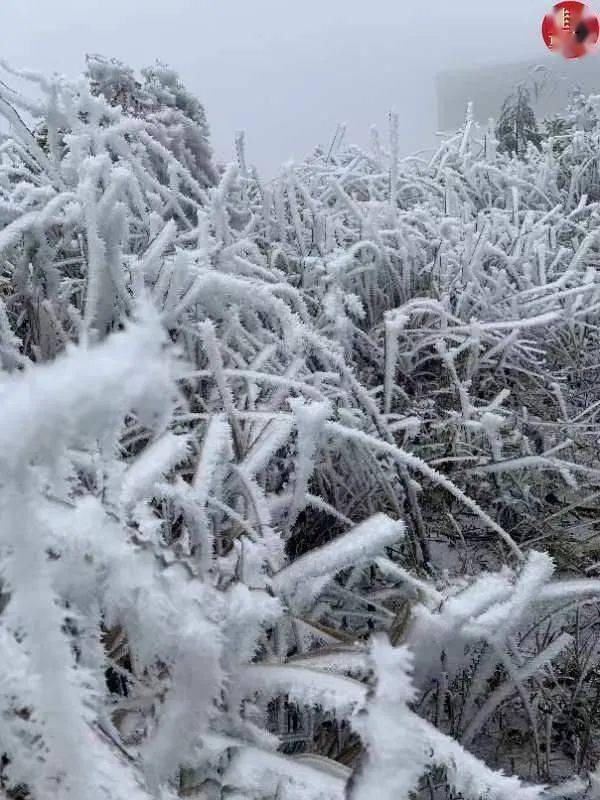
(299, 479)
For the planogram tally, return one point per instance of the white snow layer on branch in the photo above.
(355, 548)
(183, 569)
(400, 745)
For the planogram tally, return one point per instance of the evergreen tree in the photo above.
(174, 117)
(557, 131)
(517, 125)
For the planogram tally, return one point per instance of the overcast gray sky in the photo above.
(285, 71)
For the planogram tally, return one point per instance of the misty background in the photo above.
(285, 71)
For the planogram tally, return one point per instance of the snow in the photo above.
(355, 548)
(298, 479)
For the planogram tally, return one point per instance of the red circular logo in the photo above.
(571, 29)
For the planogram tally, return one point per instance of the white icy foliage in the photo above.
(280, 463)
(399, 745)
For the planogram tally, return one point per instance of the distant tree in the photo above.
(176, 119)
(517, 126)
(557, 131)
(117, 83)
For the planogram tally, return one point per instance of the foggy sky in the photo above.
(285, 71)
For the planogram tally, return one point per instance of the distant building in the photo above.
(488, 85)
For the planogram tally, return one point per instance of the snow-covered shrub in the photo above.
(294, 473)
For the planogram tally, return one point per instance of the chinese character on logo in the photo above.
(571, 29)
